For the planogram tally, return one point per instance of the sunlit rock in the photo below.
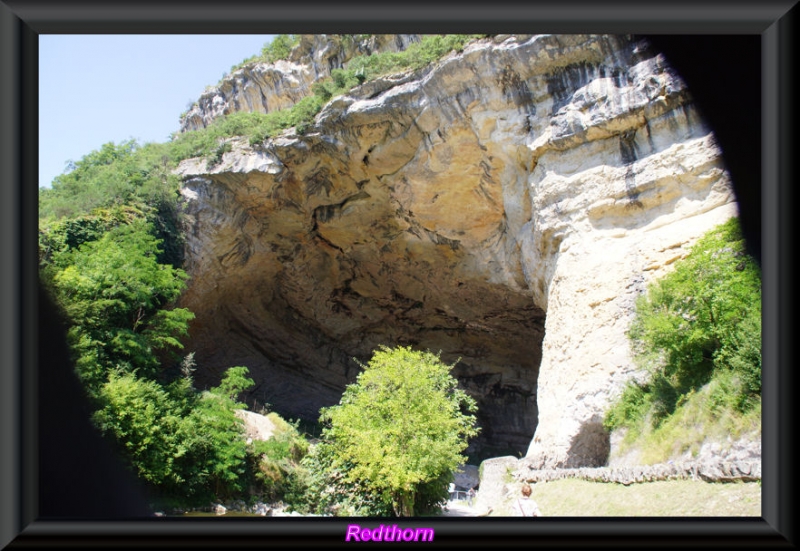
(504, 206)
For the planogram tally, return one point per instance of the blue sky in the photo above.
(95, 89)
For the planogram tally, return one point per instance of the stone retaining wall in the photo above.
(722, 471)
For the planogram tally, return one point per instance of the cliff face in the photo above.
(505, 206)
(264, 88)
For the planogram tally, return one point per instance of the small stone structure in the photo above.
(709, 471)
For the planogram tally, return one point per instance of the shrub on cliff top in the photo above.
(275, 50)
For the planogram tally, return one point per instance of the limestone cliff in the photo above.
(505, 206)
(268, 87)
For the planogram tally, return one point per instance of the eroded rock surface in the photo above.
(505, 206)
(268, 87)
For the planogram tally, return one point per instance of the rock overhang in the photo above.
(451, 212)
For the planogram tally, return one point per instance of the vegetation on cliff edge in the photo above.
(259, 126)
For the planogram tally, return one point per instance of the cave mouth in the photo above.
(300, 293)
(302, 361)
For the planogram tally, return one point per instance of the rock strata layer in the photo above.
(504, 206)
(268, 87)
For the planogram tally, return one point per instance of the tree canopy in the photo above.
(400, 430)
(118, 298)
(188, 446)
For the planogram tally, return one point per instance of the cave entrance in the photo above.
(302, 363)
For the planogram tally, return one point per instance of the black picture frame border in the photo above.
(22, 21)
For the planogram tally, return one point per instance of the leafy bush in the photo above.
(280, 47)
(188, 446)
(216, 157)
(277, 49)
(104, 271)
(328, 491)
(699, 324)
(121, 174)
(276, 464)
(418, 55)
(147, 422)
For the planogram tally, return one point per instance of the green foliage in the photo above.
(234, 383)
(632, 405)
(276, 463)
(710, 413)
(216, 158)
(112, 186)
(147, 423)
(329, 491)
(399, 431)
(116, 294)
(418, 55)
(103, 269)
(698, 325)
(121, 174)
(188, 446)
(58, 237)
(277, 49)
(218, 440)
(260, 126)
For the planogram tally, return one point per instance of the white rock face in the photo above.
(505, 206)
(268, 87)
(627, 178)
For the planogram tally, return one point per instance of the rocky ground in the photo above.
(256, 427)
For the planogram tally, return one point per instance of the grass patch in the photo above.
(675, 498)
(699, 418)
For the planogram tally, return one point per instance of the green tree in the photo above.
(399, 430)
(146, 422)
(216, 434)
(121, 174)
(117, 296)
